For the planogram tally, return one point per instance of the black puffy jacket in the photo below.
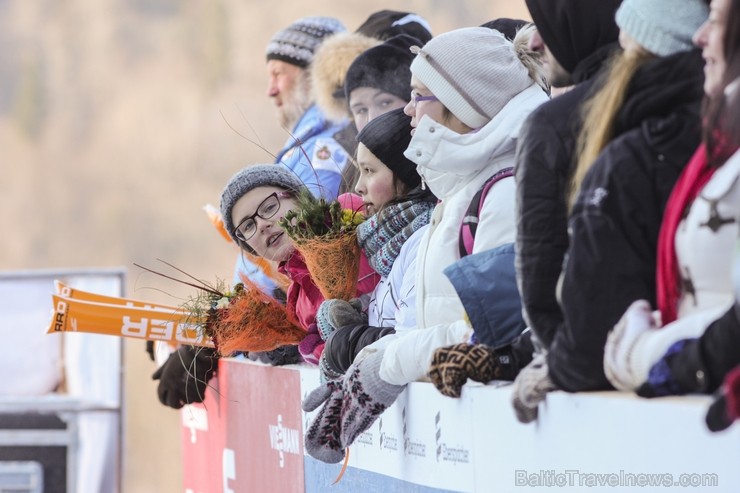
(614, 224)
(581, 39)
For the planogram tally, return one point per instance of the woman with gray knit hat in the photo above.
(252, 203)
(641, 126)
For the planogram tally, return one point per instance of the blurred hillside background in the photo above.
(115, 121)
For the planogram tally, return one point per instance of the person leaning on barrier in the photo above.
(573, 41)
(693, 344)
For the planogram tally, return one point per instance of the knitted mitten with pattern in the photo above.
(453, 365)
(366, 396)
(322, 439)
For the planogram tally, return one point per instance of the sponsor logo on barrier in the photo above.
(445, 452)
(411, 447)
(386, 441)
(365, 438)
(284, 440)
(195, 418)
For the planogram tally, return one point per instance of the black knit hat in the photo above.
(385, 24)
(387, 137)
(297, 43)
(384, 67)
(507, 27)
(573, 29)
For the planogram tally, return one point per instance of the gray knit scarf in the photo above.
(382, 237)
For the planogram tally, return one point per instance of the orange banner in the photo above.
(169, 325)
(69, 292)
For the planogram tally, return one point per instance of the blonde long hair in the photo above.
(600, 111)
(530, 59)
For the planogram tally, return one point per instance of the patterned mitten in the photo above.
(453, 365)
(366, 396)
(334, 314)
(322, 439)
(530, 388)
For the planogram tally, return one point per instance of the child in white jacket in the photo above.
(398, 210)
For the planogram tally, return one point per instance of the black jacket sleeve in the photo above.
(345, 344)
(543, 168)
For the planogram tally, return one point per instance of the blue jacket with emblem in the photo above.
(313, 154)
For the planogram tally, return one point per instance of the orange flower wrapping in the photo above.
(334, 264)
(254, 321)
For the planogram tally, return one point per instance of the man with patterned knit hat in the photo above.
(310, 151)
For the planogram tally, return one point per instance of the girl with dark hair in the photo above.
(398, 210)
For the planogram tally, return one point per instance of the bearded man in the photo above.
(310, 152)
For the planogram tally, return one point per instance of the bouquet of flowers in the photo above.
(250, 320)
(242, 319)
(325, 234)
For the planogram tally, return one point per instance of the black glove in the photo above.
(184, 376)
(717, 417)
(150, 349)
(284, 355)
(345, 344)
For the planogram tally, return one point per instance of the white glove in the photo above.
(530, 388)
(634, 324)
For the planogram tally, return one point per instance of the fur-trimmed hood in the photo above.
(329, 68)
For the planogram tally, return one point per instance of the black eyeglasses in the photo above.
(247, 227)
(416, 99)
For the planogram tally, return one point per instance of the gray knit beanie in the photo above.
(249, 178)
(297, 43)
(473, 72)
(662, 27)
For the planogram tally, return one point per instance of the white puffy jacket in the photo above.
(454, 167)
